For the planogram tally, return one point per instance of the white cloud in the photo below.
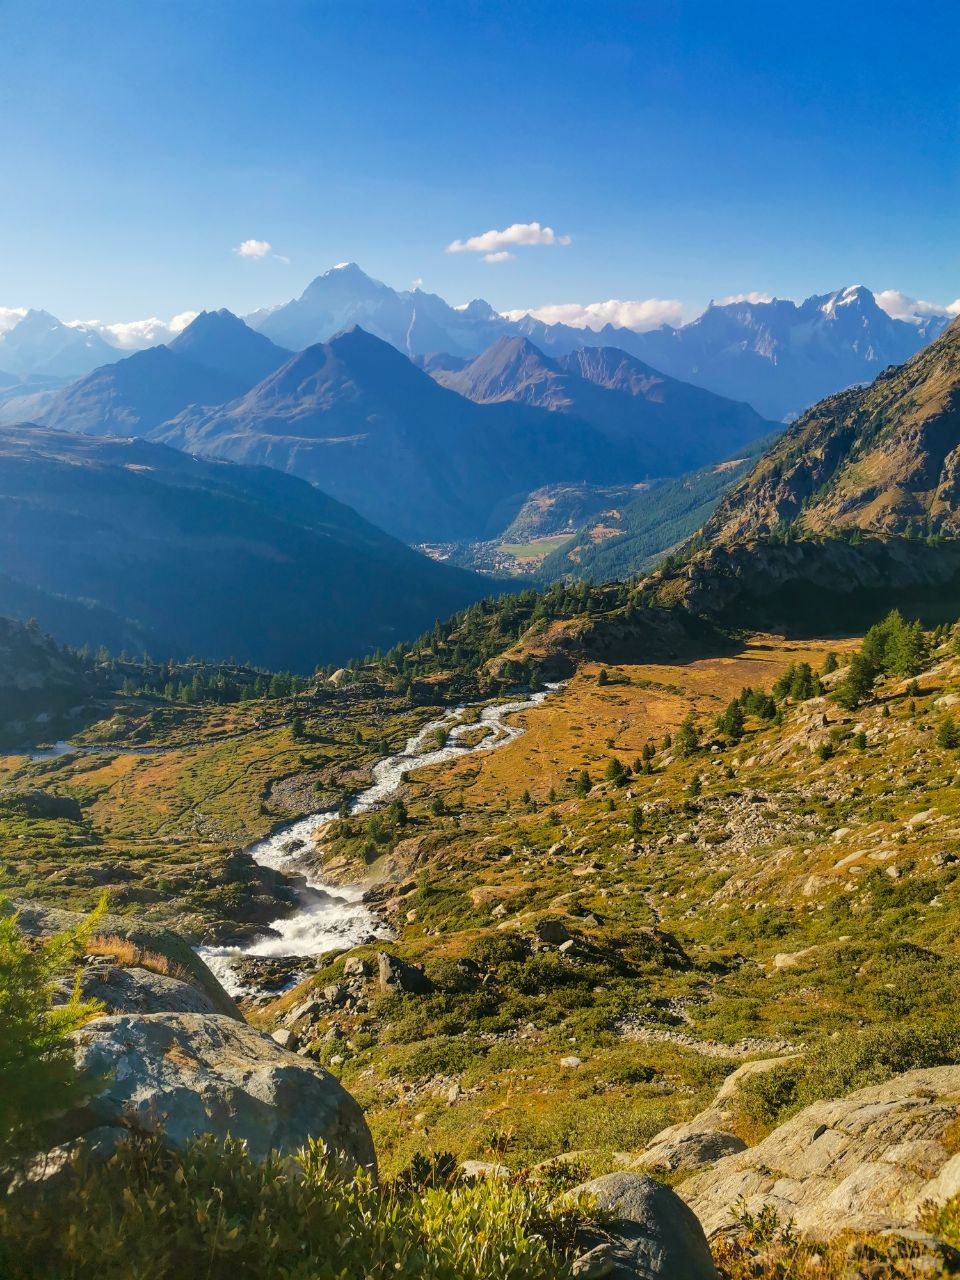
(649, 313)
(10, 317)
(900, 306)
(253, 249)
(135, 335)
(756, 295)
(492, 244)
(501, 256)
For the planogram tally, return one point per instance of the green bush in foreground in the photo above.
(149, 1214)
(766, 1247)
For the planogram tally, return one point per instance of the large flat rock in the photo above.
(866, 1162)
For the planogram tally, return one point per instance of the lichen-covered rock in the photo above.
(135, 990)
(706, 1138)
(189, 1074)
(651, 1234)
(689, 1149)
(863, 1163)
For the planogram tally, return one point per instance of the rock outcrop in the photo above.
(864, 1163)
(706, 1138)
(395, 974)
(118, 989)
(190, 1074)
(648, 1233)
(37, 921)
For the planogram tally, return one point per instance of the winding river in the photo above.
(334, 917)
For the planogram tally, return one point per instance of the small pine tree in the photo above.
(397, 813)
(636, 823)
(688, 738)
(602, 677)
(298, 730)
(730, 722)
(860, 741)
(829, 664)
(948, 735)
(616, 771)
(857, 685)
(583, 785)
(908, 651)
(696, 785)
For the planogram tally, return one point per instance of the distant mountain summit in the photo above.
(41, 345)
(216, 358)
(778, 356)
(413, 321)
(883, 458)
(221, 342)
(667, 425)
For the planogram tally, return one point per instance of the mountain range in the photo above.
(131, 544)
(671, 425)
(779, 356)
(783, 356)
(446, 456)
(357, 418)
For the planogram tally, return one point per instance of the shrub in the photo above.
(838, 1067)
(872, 1056)
(768, 1095)
(213, 1212)
(493, 949)
(442, 1055)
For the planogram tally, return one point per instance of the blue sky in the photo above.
(689, 150)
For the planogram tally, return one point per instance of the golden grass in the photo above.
(129, 956)
(585, 724)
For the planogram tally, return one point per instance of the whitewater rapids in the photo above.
(334, 917)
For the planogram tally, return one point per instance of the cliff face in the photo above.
(817, 585)
(884, 458)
